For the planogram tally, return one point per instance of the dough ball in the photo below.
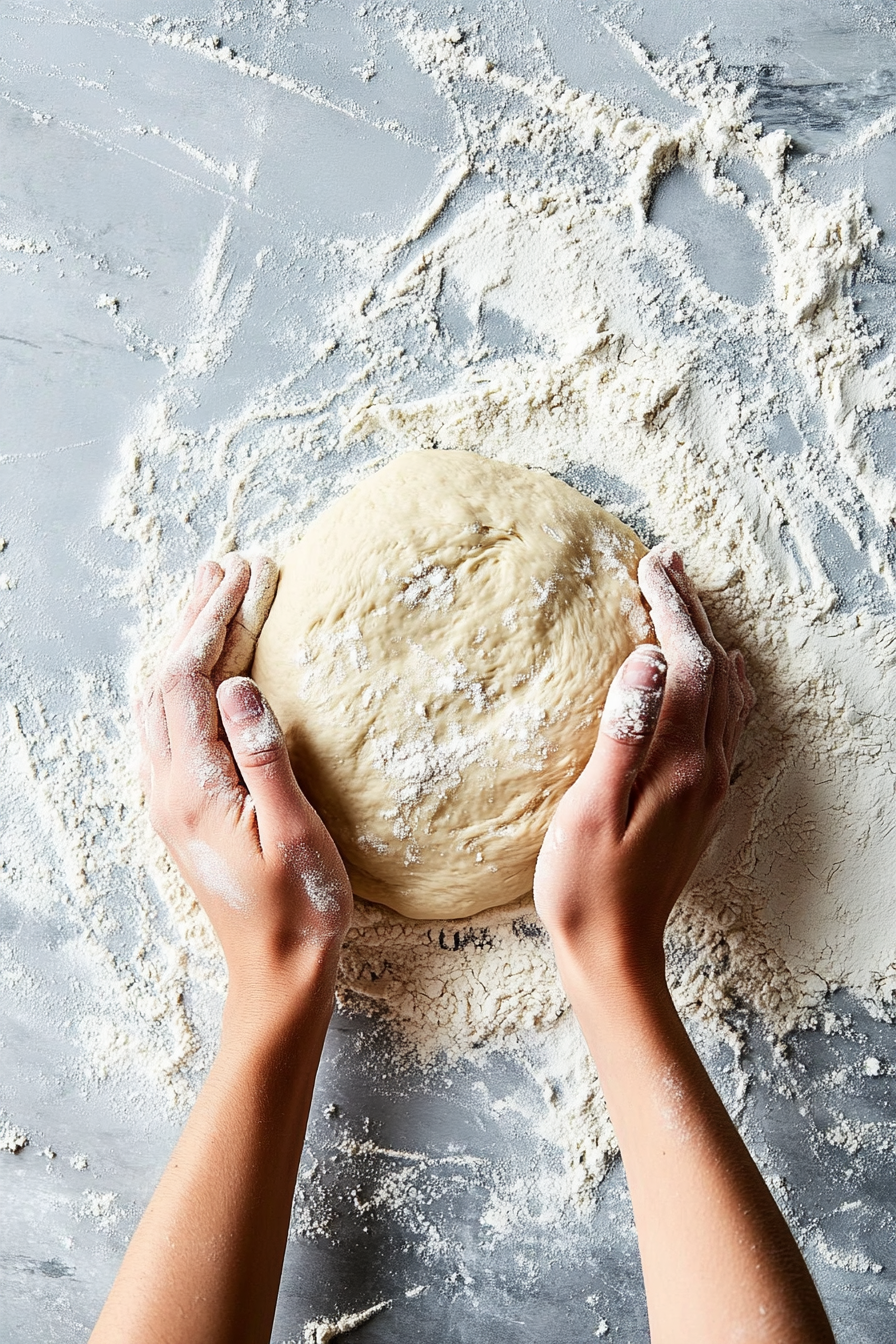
(438, 653)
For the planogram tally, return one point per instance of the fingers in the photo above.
(690, 664)
(145, 768)
(155, 728)
(730, 686)
(732, 696)
(674, 567)
(708, 697)
(239, 647)
(208, 577)
(629, 720)
(741, 702)
(189, 700)
(260, 752)
(725, 689)
(202, 643)
(155, 749)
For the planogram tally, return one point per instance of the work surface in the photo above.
(198, 214)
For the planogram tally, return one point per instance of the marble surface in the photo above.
(130, 214)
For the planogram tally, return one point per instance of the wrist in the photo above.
(280, 1002)
(610, 970)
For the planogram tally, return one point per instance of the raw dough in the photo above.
(440, 646)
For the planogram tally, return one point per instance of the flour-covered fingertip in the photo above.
(233, 563)
(644, 668)
(251, 725)
(635, 698)
(207, 571)
(654, 576)
(240, 700)
(665, 556)
(263, 580)
(235, 574)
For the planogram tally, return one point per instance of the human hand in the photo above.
(628, 834)
(223, 797)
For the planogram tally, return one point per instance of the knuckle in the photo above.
(688, 774)
(261, 757)
(301, 838)
(258, 741)
(159, 818)
(184, 811)
(677, 742)
(179, 673)
(700, 777)
(188, 819)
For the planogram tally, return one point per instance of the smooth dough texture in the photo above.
(438, 652)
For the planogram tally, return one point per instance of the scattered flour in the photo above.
(321, 1332)
(34, 247)
(12, 1138)
(324, 889)
(101, 1207)
(851, 1260)
(637, 382)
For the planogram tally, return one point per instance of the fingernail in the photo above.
(645, 669)
(252, 726)
(242, 699)
(631, 712)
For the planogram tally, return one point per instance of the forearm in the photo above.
(719, 1261)
(204, 1264)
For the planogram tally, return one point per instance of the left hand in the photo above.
(628, 834)
(244, 837)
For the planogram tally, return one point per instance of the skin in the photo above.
(720, 1264)
(203, 1267)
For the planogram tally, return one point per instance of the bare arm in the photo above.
(204, 1265)
(720, 1264)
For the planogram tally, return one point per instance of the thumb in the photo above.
(631, 713)
(259, 750)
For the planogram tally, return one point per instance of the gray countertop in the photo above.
(103, 142)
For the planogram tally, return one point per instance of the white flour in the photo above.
(632, 364)
(322, 1332)
(12, 1138)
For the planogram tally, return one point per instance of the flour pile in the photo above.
(532, 312)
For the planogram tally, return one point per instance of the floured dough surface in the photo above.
(440, 646)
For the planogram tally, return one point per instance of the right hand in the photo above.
(628, 834)
(226, 803)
